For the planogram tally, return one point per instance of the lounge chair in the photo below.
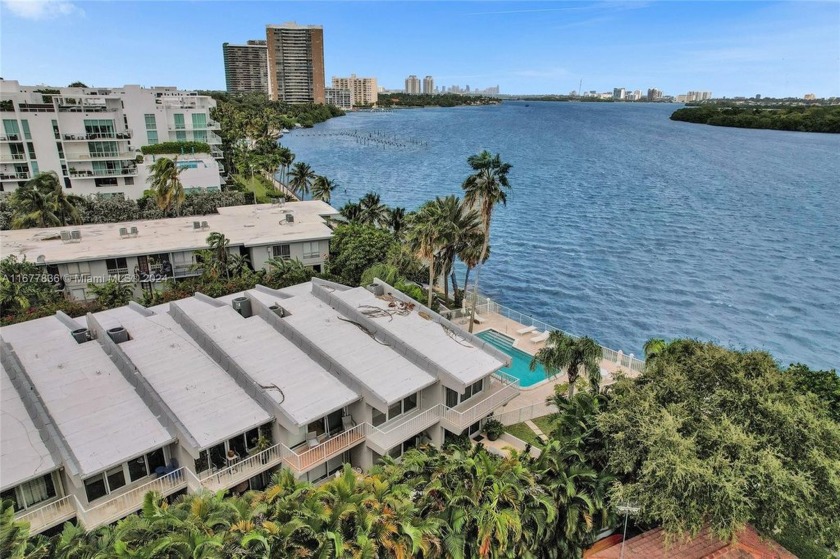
(347, 422)
(526, 330)
(312, 439)
(478, 319)
(540, 337)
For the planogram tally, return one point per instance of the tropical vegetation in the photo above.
(437, 100)
(797, 119)
(176, 148)
(166, 187)
(41, 202)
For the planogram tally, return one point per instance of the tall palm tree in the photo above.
(66, 206)
(484, 189)
(300, 179)
(428, 233)
(166, 184)
(470, 254)
(322, 189)
(373, 211)
(576, 355)
(286, 160)
(462, 224)
(352, 212)
(396, 221)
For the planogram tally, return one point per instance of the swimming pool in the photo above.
(520, 366)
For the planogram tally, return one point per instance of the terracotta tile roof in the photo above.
(651, 545)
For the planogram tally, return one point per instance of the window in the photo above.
(312, 249)
(200, 135)
(281, 251)
(31, 147)
(137, 468)
(199, 120)
(79, 270)
(116, 477)
(404, 447)
(181, 136)
(179, 121)
(31, 493)
(156, 459)
(151, 123)
(129, 181)
(100, 128)
(56, 132)
(35, 169)
(453, 398)
(378, 418)
(110, 181)
(410, 403)
(26, 133)
(10, 128)
(60, 149)
(103, 149)
(116, 266)
(151, 137)
(95, 487)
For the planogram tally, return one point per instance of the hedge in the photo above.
(176, 147)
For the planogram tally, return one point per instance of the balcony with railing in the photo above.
(401, 428)
(12, 157)
(303, 458)
(244, 469)
(48, 515)
(21, 176)
(123, 504)
(501, 390)
(100, 156)
(126, 171)
(11, 138)
(124, 135)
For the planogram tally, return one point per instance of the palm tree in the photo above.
(373, 211)
(286, 160)
(396, 221)
(112, 293)
(352, 212)
(300, 179)
(428, 233)
(322, 189)
(470, 254)
(42, 203)
(654, 348)
(65, 206)
(483, 190)
(562, 351)
(166, 184)
(463, 224)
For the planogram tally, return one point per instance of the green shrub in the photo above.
(176, 147)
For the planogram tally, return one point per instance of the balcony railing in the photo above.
(89, 156)
(305, 459)
(387, 436)
(125, 135)
(244, 469)
(93, 173)
(10, 138)
(14, 176)
(125, 503)
(12, 157)
(503, 388)
(49, 515)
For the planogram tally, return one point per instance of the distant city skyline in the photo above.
(775, 49)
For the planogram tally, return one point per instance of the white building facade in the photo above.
(91, 137)
(207, 394)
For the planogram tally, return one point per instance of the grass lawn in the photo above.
(544, 423)
(522, 431)
(257, 184)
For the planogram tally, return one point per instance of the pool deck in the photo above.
(536, 395)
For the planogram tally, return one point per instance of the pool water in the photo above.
(520, 366)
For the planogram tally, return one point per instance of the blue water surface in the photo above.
(622, 224)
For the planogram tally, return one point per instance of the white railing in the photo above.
(89, 156)
(123, 504)
(244, 469)
(525, 413)
(389, 436)
(462, 419)
(49, 515)
(485, 305)
(331, 447)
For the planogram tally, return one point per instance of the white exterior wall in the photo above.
(127, 107)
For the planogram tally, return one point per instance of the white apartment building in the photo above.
(412, 85)
(364, 91)
(113, 405)
(429, 85)
(143, 253)
(341, 98)
(91, 136)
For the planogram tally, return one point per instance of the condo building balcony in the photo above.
(85, 137)
(48, 514)
(401, 428)
(12, 157)
(499, 389)
(17, 176)
(123, 155)
(126, 171)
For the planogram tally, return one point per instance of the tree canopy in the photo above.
(711, 435)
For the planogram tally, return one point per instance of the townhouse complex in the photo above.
(216, 394)
(144, 253)
(91, 137)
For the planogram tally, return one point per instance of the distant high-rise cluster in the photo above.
(412, 85)
(288, 65)
(428, 85)
(694, 96)
(363, 91)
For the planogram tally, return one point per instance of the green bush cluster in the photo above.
(176, 148)
(796, 119)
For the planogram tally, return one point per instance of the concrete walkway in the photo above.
(505, 442)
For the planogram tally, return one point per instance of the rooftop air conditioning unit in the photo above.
(134, 232)
(376, 289)
(118, 334)
(196, 225)
(205, 225)
(290, 218)
(123, 232)
(76, 235)
(242, 305)
(65, 237)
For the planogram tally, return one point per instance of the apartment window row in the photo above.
(242, 445)
(179, 121)
(151, 122)
(26, 133)
(116, 266)
(128, 472)
(103, 149)
(405, 446)
(281, 251)
(100, 126)
(79, 271)
(453, 398)
(11, 129)
(30, 493)
(151, 137)
(396, 409)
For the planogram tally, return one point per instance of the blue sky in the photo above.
(729, 48)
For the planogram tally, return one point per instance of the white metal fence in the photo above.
(487, 306)
(49, 514)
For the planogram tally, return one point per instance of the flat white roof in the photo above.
(253, 225)
(23, 455)
(98, 413)
(306, 391)
(376, 366)
(203, 396)
(447, 349)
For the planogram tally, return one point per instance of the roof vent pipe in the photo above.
(242, 305)
(81, 335)
(118, 334)
(278, 310)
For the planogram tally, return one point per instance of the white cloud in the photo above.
(41, 9)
